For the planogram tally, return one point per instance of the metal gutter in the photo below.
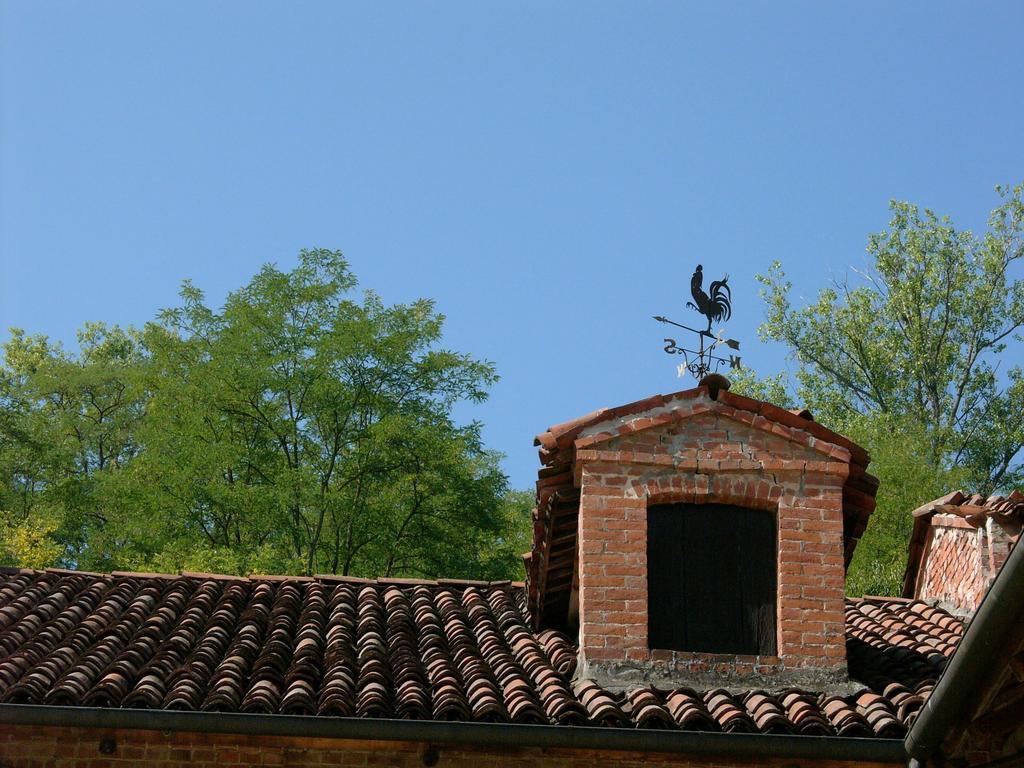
(495, 735)
(992, 635)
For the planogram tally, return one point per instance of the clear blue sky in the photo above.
(550, 173)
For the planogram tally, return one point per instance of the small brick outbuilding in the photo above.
(684, 605)
(958, 547)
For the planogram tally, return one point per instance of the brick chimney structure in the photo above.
(958, 545)
(699, 537)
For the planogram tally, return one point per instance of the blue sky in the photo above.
(549, 173)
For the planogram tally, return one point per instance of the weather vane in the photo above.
(716, 306)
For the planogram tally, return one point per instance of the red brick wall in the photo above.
(961, 560)
(1000, 542)
(35, 747)
(710, 455)
(952, 570)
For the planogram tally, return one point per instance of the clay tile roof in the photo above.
(974, 509)
(405, 649)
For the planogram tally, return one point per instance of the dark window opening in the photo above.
(711, 579)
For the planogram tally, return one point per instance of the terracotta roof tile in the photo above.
(406, 650)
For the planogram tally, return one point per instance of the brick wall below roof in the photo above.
(53, 747)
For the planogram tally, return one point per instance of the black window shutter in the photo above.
(711, 573)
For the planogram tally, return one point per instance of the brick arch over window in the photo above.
(674, 487)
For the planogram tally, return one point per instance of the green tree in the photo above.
(505, 555)
(922, 336)
(907, 479)
(304, 431)
(911, 361)
(67, 423)
(299, 429)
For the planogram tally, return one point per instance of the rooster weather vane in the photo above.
(716, 306)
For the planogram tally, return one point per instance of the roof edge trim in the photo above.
(499, 735)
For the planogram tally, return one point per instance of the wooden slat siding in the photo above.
(757, 557)
(711, 579)
(667, 612)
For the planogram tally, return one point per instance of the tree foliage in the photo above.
(296, 430)
(907, 479)
(910, 358)
(66, 424)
